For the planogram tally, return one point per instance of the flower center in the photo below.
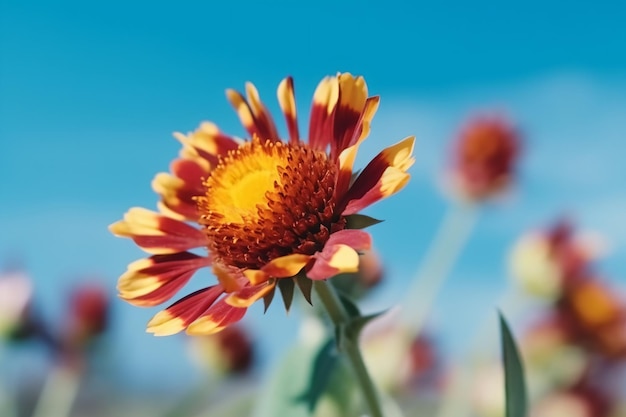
(269, 199)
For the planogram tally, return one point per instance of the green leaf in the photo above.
(306, 286)
(360, 221)
(286, 287)
(324, 365)
(514, 385)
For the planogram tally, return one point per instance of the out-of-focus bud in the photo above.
(543, 262)
(597, 316)
(573, 403)
(369, 275)
(396, 358)
(225, 353)
(483, 159)
(88, 314)
(15, 299)
(552, 359)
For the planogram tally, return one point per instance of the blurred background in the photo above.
(90, 94)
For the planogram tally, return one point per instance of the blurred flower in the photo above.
(572, 403)
(542, 262)
(597, 316)
(16, 293)
(484, 158)
(552, 357)
(395, 357)
(267, 209)
(87, 315)
(227, 352)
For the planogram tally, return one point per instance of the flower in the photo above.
(544, 262)
(597, 315)
(225, 353)
(484, 158)
(270, 212)
(88, 313)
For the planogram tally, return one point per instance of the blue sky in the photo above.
(89, 96)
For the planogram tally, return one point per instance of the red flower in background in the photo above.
(88, 313)
(484, 158)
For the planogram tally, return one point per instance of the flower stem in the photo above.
(451, 237)
(340, 317)
(59, 392)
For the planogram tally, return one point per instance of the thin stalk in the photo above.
(449, 241)
(339, 316)
(59, 393)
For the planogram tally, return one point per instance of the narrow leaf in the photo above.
(267, 299)
(514, 385)
(286, 287)
(324, 366)
(360, 221)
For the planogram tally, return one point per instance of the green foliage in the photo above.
(296, 388)
(324, 365)
(514, 385)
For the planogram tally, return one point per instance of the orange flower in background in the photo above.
(597, 315)
(269, 211)
(484, 158)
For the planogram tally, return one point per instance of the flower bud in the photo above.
(88, 314)
(227, 352)
(484, 157)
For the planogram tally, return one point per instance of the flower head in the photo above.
(269, 212)
(88, 313)
(484, 158)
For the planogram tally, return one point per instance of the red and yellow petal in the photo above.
(230, 278)
(282, 267)
(383, 176)
(287, 102)
(249, 295)
(216, 318)
(324, 103)
(252, 113)
(206, 142)
(182, 313)
(334, 260)
(351, 105)
(154, 280)
(156, 233)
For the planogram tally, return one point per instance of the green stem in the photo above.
(340, 317)
(451, 237)
(58, 393)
